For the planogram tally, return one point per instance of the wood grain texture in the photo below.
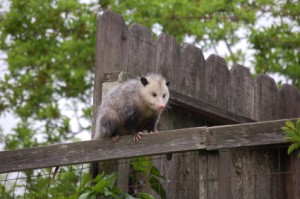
(213, 174)
(211, 138)
(266, 99)
(225, 174)
(242, 91)
(217, 82)
(97, 150)
(167, 58)
(290, 175)
(141, 50)
(203, 178)
(237, 176)
(191, 66)
(289, 102)
(206, 109)
(254, 134)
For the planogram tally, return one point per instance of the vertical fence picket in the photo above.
(167, 58)
(141, 50)
(217, 82)
(242, 91)
(289, 102)
(266, 98)
(191, 66)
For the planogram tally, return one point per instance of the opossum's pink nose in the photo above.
(161, 106)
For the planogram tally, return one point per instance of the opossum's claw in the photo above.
(115, 138)
(137, 136)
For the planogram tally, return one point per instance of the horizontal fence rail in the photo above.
(200, 138)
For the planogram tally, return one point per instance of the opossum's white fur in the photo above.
(132, 107)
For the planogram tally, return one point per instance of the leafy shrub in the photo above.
(293, 135)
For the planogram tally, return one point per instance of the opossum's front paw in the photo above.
(115, 138)
(137, 136)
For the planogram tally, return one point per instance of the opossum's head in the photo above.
(155, 91)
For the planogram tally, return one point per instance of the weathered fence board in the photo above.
(111, 52)
(225, 174)
(167, 58)
(141, 50)
(259, 133)
(98, 150)
(191, 66)
(173, 141)
(266, 99)
(217, 82)
(242, 91)
(289, 101)
(207, 110)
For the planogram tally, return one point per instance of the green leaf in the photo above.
(99, 177)
(110, 193)
(144, 195)
(154, 171)
(157, 187)
(298, 125)
(291, 133)
(111, 179)
(293, 147)
(86, 189)
(99, 187)
(290, 124)
(88, 195)
(142, 164)
(127, 196)
(85, 180)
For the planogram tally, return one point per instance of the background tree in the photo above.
(50, 54)
(50, 47)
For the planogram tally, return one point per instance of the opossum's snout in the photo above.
(161, 107)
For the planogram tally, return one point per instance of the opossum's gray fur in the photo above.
(126, 109)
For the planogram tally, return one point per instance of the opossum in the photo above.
(132, 107)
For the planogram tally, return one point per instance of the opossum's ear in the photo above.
(168, 83)
(144, 81)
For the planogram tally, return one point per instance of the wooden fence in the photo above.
(232, 161)
(226, 96)
(205, 93)
(246, 160)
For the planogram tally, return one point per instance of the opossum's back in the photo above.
(116, 107)
(121, 95)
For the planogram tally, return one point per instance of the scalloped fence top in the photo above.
(133, 50)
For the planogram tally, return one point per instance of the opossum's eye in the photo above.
(154, 94)
(164, 95)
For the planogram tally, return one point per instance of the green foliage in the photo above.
(105, 184)
(50, 54)
(142, 165)
(293, 135)
(38, 184)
